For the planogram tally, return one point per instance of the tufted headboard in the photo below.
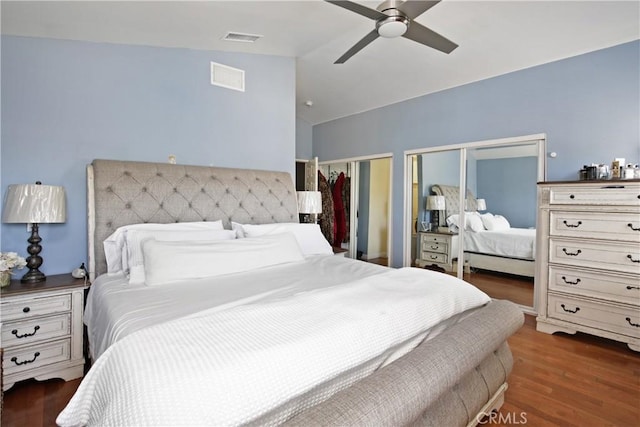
(452, 198)
(122, 192)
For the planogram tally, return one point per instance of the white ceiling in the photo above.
(495, 37)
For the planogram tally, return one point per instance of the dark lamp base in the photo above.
(33, 276)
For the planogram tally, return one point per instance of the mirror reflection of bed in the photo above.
(499, 233)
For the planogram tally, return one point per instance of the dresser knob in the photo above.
(26, 310)
(572, 196)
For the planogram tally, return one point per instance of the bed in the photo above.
(506, 249)
(308, 339)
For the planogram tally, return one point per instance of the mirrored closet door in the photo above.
(486, 233)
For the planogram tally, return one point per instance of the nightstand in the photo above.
(42, 330)
(435, 247)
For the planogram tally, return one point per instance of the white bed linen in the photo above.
(246, 360)
(512, 242)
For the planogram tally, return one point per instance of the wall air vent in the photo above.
(241, 37)
(225, 76)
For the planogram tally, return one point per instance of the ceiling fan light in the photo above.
(393, 26)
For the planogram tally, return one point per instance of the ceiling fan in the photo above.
(395, 18)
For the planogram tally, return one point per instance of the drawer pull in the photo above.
(578, 252)
(572, 196)
(631, 258)
(637, 325)
(630, 225)
(24, 362)
(568, 282)
(568, 310)
(433, 256)
(632, 287)
(576, 225)
(35, 329)
(434, 247)
(26, 310)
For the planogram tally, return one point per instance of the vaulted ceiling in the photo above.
(494, 38)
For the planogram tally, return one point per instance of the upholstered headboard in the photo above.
(452, 198)
(122, 193)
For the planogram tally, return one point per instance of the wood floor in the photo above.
(557, 380)
(503, 286)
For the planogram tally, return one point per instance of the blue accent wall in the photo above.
(304, 139)
(588, 105)
(65, 103)
(505, 184)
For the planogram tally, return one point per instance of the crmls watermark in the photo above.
(495, 417)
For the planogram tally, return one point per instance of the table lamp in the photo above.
(309, 203)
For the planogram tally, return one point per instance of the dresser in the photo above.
(42, 330)
(588, 259)
(435, 247)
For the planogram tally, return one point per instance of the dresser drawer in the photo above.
(605, 194)
(595, 225)
(624, 257)
(26, 358)
(35, 330)
(616, 319)
(435, 247)
(612, 287)
(32, 307)
(434, 257)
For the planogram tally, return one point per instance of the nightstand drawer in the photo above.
(434, 257)
(36, 330)
(435, 247)
(433, 238)
(616, 319)
(595, 225)
(31, 307)
(35, 356)
(623, 257)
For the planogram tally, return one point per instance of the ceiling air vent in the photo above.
(225, 76)
(241, 37)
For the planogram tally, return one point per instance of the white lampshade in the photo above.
(309, 202)
(35, 204)
(481, 204)
(435, 203)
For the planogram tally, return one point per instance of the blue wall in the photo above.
(304, 139)
(588, 105)
(505, 184)
(65, 103)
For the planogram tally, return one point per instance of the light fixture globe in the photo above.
(393, 26)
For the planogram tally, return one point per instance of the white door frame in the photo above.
(355, 178)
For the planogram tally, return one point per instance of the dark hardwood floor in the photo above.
(557, 380)
(517, 289)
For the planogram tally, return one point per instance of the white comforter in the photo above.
(243, 363)
(513, 242)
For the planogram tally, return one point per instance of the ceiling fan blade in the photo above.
(359, 9)
(414, 9)
(358, 46)
(421, 34)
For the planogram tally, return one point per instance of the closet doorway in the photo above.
(361, 192)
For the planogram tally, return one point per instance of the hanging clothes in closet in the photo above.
(338, 207)
(346, 202)
(327, 217)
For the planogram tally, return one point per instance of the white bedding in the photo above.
(512, 242)
(257, 345)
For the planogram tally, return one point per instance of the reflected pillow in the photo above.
(497, 223)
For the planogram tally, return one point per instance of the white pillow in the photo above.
(135, 239)
(497, 223)
(209, 259)
(309, 236)
(486, 217)
(114, 249)
(472, 221)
